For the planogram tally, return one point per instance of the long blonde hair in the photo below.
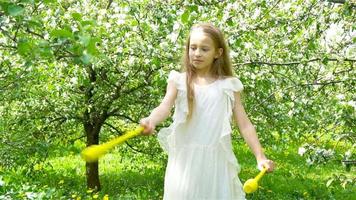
(221, 66)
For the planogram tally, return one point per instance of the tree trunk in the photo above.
(92, 169)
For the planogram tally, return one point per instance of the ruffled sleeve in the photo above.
(177, 78)
(229, 86)
(232, 85)
(166, 136)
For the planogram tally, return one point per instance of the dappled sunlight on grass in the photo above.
(293, 177)
(122, 175)
(125, 174)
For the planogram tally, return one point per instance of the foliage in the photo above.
(68, 65)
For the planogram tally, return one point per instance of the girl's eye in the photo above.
(205, 49)
(193, 48)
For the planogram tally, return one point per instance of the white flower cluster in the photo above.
(314, 154)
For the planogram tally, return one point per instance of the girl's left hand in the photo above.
(268, 164)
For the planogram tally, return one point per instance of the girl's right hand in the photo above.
(148, 126)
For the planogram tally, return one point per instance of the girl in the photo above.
(201, 163)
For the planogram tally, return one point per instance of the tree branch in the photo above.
(109, 4)
(33, 33)
(294, 62)
(352, 4)
(8, 46)
(128, 144)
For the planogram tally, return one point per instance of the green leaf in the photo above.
(15, 10)
(44, 48)
(86, 58)
(49, 1)
(134, 22)
(156, 61)
(34, 23)
(230, 22)
(311, 45)
(347, 9)
(77, 16)
(329, 182)
(62, 33)
(92, 46)
(193, 8)
(24, 47)
(185, 16)
(325, 60)
(84, 39)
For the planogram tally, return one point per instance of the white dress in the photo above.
(201, 163)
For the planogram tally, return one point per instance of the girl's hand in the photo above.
(265, 163)
(148, 126)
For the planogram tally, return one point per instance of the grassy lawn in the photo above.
(138, 176)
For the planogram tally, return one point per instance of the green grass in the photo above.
(133, 175)
(294, 179)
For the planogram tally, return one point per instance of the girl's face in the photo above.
(202, 50)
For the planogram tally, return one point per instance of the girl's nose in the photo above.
(198, 53)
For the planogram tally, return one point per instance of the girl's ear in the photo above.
(219, 53)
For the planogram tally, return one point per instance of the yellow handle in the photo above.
(251, 185)
(259, 176)
(94, 152)
(124, 137)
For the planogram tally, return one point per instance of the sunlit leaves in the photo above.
(60, 59)
(12, 9)
(62, 33)
(15, 10)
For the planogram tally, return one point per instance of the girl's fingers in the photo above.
(268, 164)
(144, 124)
(148, 128)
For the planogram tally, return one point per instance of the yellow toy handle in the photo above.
(94, 152)
(251, 185)
(259, 175)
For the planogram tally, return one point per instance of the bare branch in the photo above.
(33, 33)
(109, 4)
(8, 46)
(120, 133)
(352, 4)
(295, 62)
(114, 113)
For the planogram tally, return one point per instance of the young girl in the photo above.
(201, 163)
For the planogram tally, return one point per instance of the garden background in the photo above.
(75, 73)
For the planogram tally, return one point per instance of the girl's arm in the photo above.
(248, 132)
(161, 112)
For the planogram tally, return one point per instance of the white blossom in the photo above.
(352, 103)
(286, 6)
(301, 151)
(290, 113)
(31, 195)
(131, 60)
(172, 36)
(348, 154)
(176, 26)
(309, 161)
(340, 96)
(74, 80)
(256, 14)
